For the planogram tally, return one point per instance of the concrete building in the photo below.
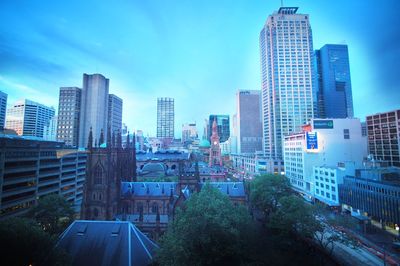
(94, 107)
(287, 75)
(189, 132)
(383, 131)
(250, 164)
(165, 118)
(323, 143)
(248, 121)
(3, 108)
(334, 92)
(69, 111)
(114, 113)
(28, 118)
(31, 169)
(373, 193)
(222, 126)
(50, 130)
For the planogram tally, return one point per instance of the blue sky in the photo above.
(199, 52)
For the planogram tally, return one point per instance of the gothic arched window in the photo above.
(139, 207)
(95, 212)
(154, 207)
(98, 175)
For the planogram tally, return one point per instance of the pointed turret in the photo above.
(113, 139)
(109, 137)
(90, 139)
(119, 139)
(101, 139)
(128, 141)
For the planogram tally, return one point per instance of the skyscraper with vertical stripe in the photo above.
(287, 60)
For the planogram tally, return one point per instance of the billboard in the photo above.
(312, 141)
(323, 124)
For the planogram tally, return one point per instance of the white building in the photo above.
(286, 53)
(50, 130)
(323, 143)
(28, 118)
(250, 164)
(189, 132)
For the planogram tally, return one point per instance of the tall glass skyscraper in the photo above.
(115, 113)
(334, 84)
(165, 118)
(287, 77)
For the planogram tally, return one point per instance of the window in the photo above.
(154, 207)
(98, 175)
(346, 133)
(333, 197)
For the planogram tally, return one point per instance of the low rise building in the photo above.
(32, 168)
(250, 164)
(322, 143)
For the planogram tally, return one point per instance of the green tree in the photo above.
(23, 242)
(208, 230)
(266, 190)
(53, 213)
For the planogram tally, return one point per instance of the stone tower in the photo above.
(215, 149)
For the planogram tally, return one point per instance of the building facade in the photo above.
(250, 165)
(28, 118)
(31, 169)
(215, 149)
(50, 130)
(94, 107)
(223, 127)
(3, 109)
(334, 83)
(383, 132)
(248, 121)
(324, 143)
(189, 132)
(114, 113)
(69, 110)
(165, 118)
(287, 77)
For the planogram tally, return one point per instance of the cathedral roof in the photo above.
(154, 189)
(107, 243)
(154, 167)
(231, 189)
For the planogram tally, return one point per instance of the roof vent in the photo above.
(115, 230)
(81, 229)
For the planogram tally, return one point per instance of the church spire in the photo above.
(109, 137)
(119, 139)
(101, 139)
(127, 146)
(90, 139)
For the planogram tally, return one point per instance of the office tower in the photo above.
(115, 113)
(165, 118)
(287, 77)
(189, 132)
(383, 131)
(28, 118)
(222, 126)
(32, 169)
(94, 108)
(206, 129)
(334, 84)
(3, 108)
(69, 110)
(248, 121)
(50, 130)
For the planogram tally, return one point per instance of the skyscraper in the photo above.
(248, 120)
(334, 84)
(222, 126)
(287, 77)
(94, 108)
(114, 113)
(3, 108)
(28, 118)
(69, 110)
(165, 118)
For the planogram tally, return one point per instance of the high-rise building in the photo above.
(189, 132)
(286, 52)
(69, 110)
(50, 130)
(222, 125)
(165, 118)
(248, 120)
(383, 131)
(94, 107)
(28, 118)
(3, 108)
(334, 84)
(114, 113)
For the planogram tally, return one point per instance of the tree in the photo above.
(23, 242)
(53, 213)
(208, 230)
(266, 190)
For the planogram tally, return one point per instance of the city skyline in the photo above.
(147, 55)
